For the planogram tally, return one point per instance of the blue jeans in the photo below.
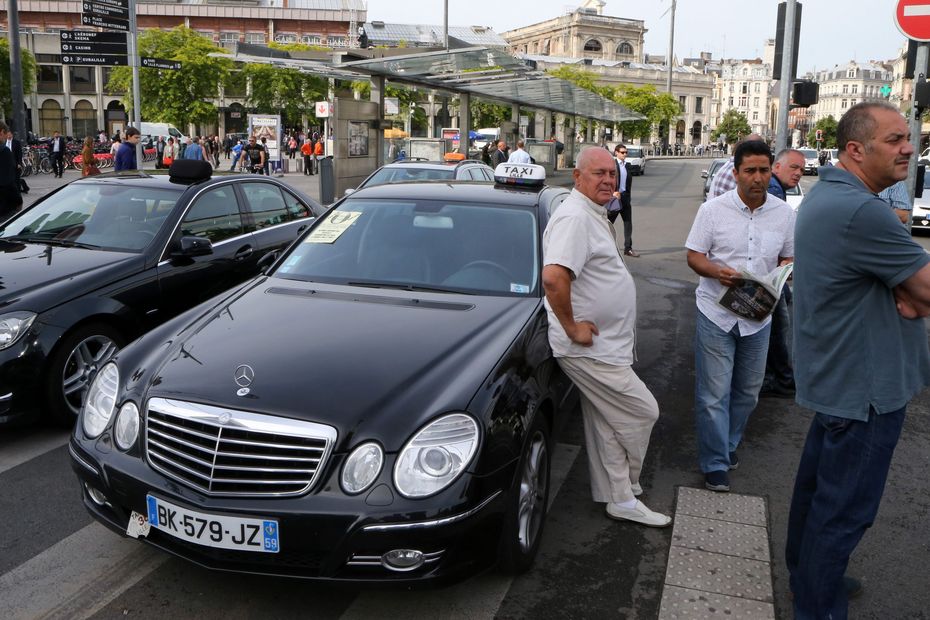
(729, 370)
(839, 486)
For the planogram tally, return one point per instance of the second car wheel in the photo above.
(526, 512)
(73, 367)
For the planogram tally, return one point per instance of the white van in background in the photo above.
(488, 134)
(161, 129)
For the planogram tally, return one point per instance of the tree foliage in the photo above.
(657, 107)
(291, 92)
(827, 125)
(176, 97)
(29, 68)
(734, 125)
(487, 114)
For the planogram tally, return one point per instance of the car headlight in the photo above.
(101, 400)
(436, 455)
(362, 467)
(13, 326)
(127, 425)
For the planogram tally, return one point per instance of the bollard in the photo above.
(327, 180)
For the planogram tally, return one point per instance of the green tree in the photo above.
(827, 126)
(487, 114)
(288, 91)
(176, 97)
(734, 126)
(657, 107)
(581, 78)
(29, 68)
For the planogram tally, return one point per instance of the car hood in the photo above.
(37, 277)
(373, 363)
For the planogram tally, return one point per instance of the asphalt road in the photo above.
(55, 562)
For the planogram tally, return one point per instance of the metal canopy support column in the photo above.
(464, 122)
(377, 96)
(515, 119)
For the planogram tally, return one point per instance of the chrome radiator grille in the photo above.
(227, 452)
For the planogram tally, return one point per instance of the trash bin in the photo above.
(327, 180)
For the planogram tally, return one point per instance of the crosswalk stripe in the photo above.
(19, 450)
(78, 576)
(479, 597)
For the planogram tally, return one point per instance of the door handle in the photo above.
(302, 228)
(244, 253)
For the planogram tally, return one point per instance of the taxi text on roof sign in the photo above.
(520, 174)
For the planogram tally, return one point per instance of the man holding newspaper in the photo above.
(736, 244)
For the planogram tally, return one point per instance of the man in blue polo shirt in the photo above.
(860, 284)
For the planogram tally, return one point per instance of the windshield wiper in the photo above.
(51, 241)
(406, 287)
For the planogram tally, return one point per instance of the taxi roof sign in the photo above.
(525, 175)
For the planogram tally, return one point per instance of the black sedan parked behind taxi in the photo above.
(378, 407)
(96, 263)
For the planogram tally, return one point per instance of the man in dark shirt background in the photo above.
(126, 155)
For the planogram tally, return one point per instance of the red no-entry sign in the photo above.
(913, 19)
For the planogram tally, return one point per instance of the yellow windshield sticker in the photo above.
(337, 223)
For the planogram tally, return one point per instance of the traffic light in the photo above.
(805, 93)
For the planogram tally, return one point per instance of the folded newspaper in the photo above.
(754, 297)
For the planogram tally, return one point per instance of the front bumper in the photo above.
(22, 371)
(326, 534)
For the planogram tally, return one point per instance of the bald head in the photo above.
(596, 175)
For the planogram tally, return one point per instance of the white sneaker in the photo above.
(639, 514)
(637, 490)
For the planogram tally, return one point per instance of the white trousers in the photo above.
(619, 412)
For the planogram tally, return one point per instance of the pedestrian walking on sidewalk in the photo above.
(861, 283)
(306, 149)
(591, 302)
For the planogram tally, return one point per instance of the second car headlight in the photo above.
(101, 400)
(362, 468)
(436, 455)
(13, 326)
(126, 429)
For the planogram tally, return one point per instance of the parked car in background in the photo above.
(811, 160)
(708, 175)
(410, 170)
(636, 157)
(920, 217)
(794, 196)
(97, 262)
(379, 407)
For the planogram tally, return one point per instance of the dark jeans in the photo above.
(778, 368)
(839, 486)
(58, 163)
(626, 214)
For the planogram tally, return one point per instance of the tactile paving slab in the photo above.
(716, 536)
(719, 574)
(748, 509)
(685, 604)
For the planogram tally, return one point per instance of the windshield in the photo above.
(400, 174)
(809, 153)
(99, 215)
(433, 245)
(634, 152)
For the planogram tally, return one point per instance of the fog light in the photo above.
(402, 559)
(127, 425)
(98, 498)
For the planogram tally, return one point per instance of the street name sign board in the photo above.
(108, 23)
(105, 10)
(94, 59)
(89, 42)
(913, 19)
(160, 63)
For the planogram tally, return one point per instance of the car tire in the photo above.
(73, 366)
(528, 502)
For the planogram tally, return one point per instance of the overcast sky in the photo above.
(832, 31)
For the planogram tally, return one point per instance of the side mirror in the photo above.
(703, 174)
(349, 191)
(266, 261)
(190, 246)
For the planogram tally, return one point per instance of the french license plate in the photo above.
(211, 530)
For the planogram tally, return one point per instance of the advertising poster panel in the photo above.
(267, 126)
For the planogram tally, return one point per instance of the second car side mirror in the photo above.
(266, 261)
(349, 191)
(191, 246)
(703, 174)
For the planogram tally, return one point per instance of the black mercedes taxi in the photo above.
(99, 261)
(378, 407)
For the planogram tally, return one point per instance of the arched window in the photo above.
(83, 120)
(51, 118)
(593, 45)
(624, 49)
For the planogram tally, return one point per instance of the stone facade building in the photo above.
(844, 86)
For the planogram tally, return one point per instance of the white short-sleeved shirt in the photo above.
(579, 238)
(519, 156)
(731, 235)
